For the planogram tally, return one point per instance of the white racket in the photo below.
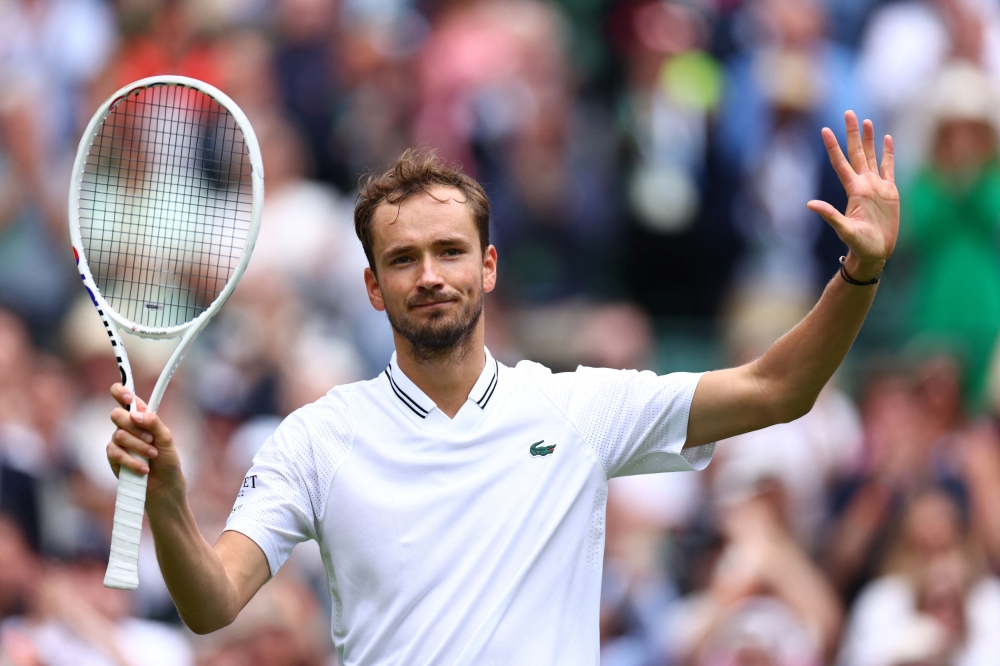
(164, 207)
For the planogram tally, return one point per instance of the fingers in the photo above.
(121, 418)
(119, 457)
(888, 159)
(122, 395)
(868, 143)
(150, 422)
(837, 159)
(133, 444)
(855, 151)
(832, 216)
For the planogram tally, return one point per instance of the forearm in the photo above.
(194, 573)
(797, 367)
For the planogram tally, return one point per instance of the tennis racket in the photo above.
(164, 207)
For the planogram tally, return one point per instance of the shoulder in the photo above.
(326, 426)
(556, 386)
(584, 383)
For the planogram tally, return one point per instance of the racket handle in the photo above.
(123, 563)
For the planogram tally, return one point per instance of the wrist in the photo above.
(863, 270)
(167, 499)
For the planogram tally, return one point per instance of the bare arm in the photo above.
(210, 585)
(783, 384)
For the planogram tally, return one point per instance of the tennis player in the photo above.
(459, 503)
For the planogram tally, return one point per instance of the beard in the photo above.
(441, 335)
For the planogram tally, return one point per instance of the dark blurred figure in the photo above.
(790, 83)
(20, 446)
(377, 55)
(306, 66)
(675, 191)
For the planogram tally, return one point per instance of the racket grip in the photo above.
(123, 563)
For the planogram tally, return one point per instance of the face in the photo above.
(432, 274)
(963, 146)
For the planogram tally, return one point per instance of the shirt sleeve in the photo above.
(635, 422)
(283, 497)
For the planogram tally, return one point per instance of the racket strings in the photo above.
(166, 203)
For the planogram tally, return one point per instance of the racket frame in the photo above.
(122, 570)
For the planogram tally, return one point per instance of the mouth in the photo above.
(433, 305)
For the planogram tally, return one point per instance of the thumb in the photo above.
(832, 216)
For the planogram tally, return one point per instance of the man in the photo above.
(459, 504)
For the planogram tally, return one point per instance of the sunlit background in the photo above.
(648, 164)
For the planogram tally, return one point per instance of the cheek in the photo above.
(394, 288)
(467, 278)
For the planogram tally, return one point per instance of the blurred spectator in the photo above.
(306, 68)
(377, 56)
(54, 614)
(916, 435)
(678, 198)
(22, 450)
(674, 84)
(952, 224)
(766, 601)
(33, 282)
(906, 45)
(935, 604)
(49, 51)
(166, 39)
(791, 82)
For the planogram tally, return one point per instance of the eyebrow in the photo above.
(402, 249)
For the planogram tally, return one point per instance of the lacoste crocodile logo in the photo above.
(538, 450)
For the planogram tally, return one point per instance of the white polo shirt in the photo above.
(473, 540)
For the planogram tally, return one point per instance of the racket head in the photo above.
(165, 203)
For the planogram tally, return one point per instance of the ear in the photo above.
(374, 291)
(489, 269)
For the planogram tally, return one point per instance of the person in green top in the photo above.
(953, 225)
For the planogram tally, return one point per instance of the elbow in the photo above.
(207, 625)
(202, 629)
(793, 408)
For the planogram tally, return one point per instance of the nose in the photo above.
(429, 278)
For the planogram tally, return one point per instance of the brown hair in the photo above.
(414, 172)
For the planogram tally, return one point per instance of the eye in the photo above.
(452, 252)
(399, 261)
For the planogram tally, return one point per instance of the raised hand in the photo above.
(870, 225)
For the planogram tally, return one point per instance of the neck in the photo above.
(446, 379)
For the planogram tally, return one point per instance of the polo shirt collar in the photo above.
(416, 401)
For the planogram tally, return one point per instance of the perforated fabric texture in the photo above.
(635, 422)
(284, 494)
(595, 540)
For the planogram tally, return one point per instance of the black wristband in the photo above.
(849, 280)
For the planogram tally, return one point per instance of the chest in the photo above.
(430, 507)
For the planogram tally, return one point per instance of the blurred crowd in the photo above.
(648, 164)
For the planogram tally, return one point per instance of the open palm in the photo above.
(870, 225)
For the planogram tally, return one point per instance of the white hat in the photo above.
(962, 91)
